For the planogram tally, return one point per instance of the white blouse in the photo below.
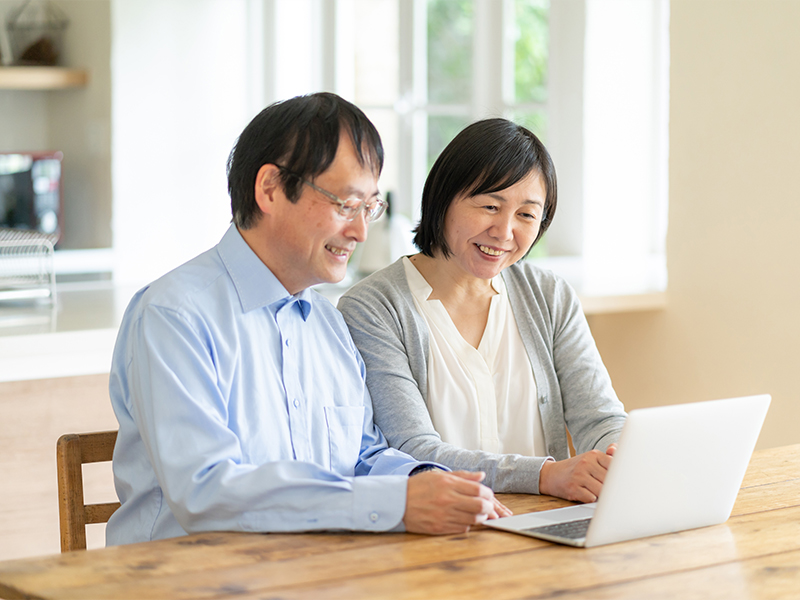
(484, 398)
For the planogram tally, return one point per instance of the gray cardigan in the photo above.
(573, 386)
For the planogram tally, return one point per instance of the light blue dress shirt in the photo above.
(244, 408)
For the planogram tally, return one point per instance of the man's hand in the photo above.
(501, 509)
(579, 478)
(438, 502)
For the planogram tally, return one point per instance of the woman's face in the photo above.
(489, 232)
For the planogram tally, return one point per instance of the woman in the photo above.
(478, 361)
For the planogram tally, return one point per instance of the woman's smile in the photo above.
(490, 232)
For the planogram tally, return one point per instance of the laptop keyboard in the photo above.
(571, 530)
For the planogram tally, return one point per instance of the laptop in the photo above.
(676, 467)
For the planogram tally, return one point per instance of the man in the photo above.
(239, 392)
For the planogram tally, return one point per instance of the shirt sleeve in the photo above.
(400, 408)
(208, 482)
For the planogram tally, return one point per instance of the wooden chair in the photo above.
(72, 451)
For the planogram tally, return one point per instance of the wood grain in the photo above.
(41, 78)
(73, 450)
(753, 555)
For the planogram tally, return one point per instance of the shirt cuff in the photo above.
(547, 459)
(379, 503)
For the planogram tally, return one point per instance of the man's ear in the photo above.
(268, 187)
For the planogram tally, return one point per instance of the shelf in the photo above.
(41, 78)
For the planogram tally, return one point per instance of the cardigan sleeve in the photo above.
(393, 341)
(593, 413)
(564, 356)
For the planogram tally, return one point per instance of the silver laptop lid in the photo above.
(677, 467)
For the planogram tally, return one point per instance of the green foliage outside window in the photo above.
(450, 26)
(530, 50)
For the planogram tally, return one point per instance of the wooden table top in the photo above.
(754, 555)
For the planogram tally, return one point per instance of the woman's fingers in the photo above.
(579, 478)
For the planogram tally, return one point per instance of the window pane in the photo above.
(531, 50)
(441, 130)
(386, 121)
(450, 25)
(376, 52)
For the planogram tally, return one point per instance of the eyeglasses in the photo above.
(349, 208)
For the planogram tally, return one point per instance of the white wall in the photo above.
(23, 115)
(625, 145)
(80, 126)
(180, 98)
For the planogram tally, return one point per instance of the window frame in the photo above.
(572, 240)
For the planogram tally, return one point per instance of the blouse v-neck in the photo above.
(479, 398)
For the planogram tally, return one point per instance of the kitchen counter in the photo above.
(76, 334)
(73, 336)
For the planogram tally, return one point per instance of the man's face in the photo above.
(311, 242)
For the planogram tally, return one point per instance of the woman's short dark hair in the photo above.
(487, 156)
(302, 135)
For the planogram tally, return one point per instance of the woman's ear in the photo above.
(268, 187)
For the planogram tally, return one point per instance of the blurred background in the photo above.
(673, 125)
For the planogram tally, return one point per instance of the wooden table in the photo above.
(756, 554)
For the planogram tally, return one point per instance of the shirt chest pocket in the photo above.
(345, 425)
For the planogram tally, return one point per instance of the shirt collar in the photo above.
(255, 284)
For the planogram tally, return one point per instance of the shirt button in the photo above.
(373, 517)
(296, 402)
(287, 343)
(542, 399)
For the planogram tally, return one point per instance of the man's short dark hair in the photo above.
(302, 135)
(486, 157)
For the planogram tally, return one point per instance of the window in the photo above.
(424, 69)
(588, 76)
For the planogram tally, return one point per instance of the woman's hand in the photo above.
(579, 478)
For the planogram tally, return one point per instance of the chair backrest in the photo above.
(72, 451)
